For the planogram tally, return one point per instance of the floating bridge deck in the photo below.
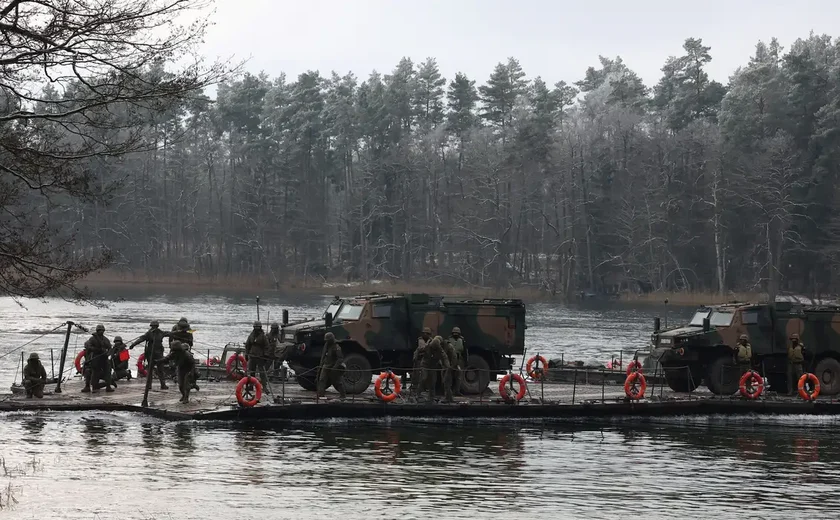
(288, 402)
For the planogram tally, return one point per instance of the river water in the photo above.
(122, 466)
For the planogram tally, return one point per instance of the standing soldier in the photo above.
(257, 353)
(417, 361)
(434, 361)
(743, 354)
(99, 348)
(181, 332)
(276, 351)
(452, 358)
(34, 377)
(332, 367)
(460, 347)
(796, 356)
(184, 364)
(154, 349)
(119, 359)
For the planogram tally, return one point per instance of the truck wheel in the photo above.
(679, 381)
(358, 374)
(476, 375)
(828, 373)
(307, 382)
(722, 376)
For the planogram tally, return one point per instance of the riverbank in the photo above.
(692, 298)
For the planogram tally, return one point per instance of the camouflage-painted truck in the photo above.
(702, 351)
(380, 331)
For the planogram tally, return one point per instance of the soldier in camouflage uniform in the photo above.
(743, 354)
(452, 358)
(459, 345)
(184, 364)
(181, 332)
(154, 349)
(332, 367)
(99, 350)
(417, 361)
(796, 357)
(119, 353)
(34, 377)
(257, 353)
(435, 361)
(276, 351)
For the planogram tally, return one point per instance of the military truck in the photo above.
(703, 350)
(380, 331)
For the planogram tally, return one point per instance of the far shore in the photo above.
(313, 287)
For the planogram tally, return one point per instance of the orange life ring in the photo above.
(630, 389)
(229, 367)
(803, 392)
(377, 387)
(503, 390)
(757, 386)
(141, 366)
(540, 371)
(78, 361)
(634, 366)
(240, 389)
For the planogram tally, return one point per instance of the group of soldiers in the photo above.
(437, 356)
(795, 359)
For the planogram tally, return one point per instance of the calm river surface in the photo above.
(122, 466)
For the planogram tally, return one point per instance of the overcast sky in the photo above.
(556, 39)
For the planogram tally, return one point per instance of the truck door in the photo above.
(390, 321)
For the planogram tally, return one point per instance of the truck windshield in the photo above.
(332, 309)
(697, 320)
(350, 311)
(720, 319)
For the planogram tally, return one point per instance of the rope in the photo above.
(31, 341)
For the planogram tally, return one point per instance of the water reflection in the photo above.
(34, 427)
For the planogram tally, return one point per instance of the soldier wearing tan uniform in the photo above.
(796, 356)
(743, 354)
(417, 360)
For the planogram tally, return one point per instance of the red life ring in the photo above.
(503, 389)
(630, 389)
(803, 392)
(757, 384)
(78, 361)
(243, 366)
(377, 387)
(540, 371)
(240, 390)
(213, 361)
(141, 366)
(634, 366)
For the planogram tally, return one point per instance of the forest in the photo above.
(603, 184)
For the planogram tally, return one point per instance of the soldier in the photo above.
(796, 356)
(34, 377)
(434, 361)
(181, 332)
(119, 360)
(458, 344)
(743, 354)
(332, 367)
(277, 351)
(184, 364)
(452, 357)
(417, 361)
(257, 353)
(99, 349)
(154, 349)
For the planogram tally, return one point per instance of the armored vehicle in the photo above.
(380, 331)
(703, 350)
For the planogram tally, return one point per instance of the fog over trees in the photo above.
(601, 184)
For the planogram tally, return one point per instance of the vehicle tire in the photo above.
(828, 373)
(307, 382)
(679, 381)
(357, 376)
(476, 376)
(722, 376)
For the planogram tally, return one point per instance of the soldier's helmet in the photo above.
(275, 326)
(154, 324)
(439, 339)
(100, 328)
(435, 342)
(427, 330)
(456, 330)
(183, 323)
(743, 336)
(794, 336)
(176, 345)
(118, 339)
(34, 356)
(257, 325)
(329, 337)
